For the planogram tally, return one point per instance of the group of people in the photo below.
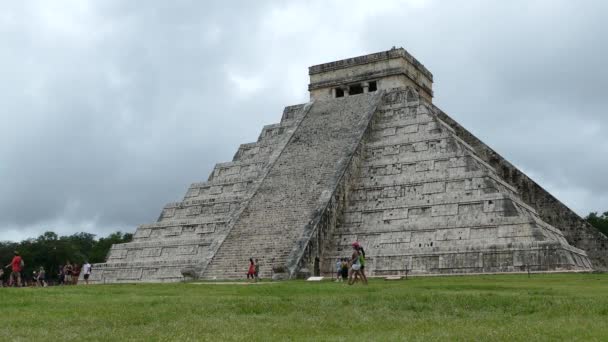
(347, 269)
(253, 273)
(68, 274)
(353, 269)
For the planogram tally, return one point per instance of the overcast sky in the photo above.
(110, 109)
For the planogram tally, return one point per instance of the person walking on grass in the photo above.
(67, 273)
(362, 262)
(251, 271)
(355, 265)
(61, 275)
(257, 270)
(16, 265)
(86, 269)
(344, 270)
(75, 274)
(41, 280)
(338, 270)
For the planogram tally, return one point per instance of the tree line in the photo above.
(50, 250)
(599, 221)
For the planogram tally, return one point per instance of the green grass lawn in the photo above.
(503, 307)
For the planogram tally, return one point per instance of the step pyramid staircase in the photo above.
(187, 233)
(296, 188)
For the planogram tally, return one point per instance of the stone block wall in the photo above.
(188, 233)
(392, 68)
(576, 230)
(424, 202)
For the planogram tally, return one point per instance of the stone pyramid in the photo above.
(368, 159)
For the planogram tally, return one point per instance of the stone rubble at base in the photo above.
(384, 167)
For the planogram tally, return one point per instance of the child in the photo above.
(344, 271)
(41, 277)
(338, 270)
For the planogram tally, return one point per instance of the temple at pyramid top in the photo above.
(394, 68)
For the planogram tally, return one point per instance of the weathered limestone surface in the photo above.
(299, 183)
(369, 159)
(395, 68)
(188, 233)
(576, 230)
(424, 202)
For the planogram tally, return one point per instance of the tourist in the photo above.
(1, 277)
(86, 269)
(16, 265)
(362, 262)
(75, 274)
(251, 271)
(355, 264)
(257, 270)
(338, 270)
(344, 269)
(61, 276)
(41, 280)
(67, 273)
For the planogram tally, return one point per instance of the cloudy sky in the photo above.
(110, 109)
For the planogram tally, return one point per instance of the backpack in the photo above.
(361, 256)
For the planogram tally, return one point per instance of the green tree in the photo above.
(599, 221)
(100, 250)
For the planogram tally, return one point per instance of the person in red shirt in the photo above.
(251, 271)
(16, 267)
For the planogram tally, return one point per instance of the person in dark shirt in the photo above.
(61, 275)
(344, 269)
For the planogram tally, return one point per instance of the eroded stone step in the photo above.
(306, 169)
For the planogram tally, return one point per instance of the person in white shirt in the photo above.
(86, 269)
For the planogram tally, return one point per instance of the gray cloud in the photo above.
(111, 109)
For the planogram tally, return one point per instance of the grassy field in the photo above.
(503, 307)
